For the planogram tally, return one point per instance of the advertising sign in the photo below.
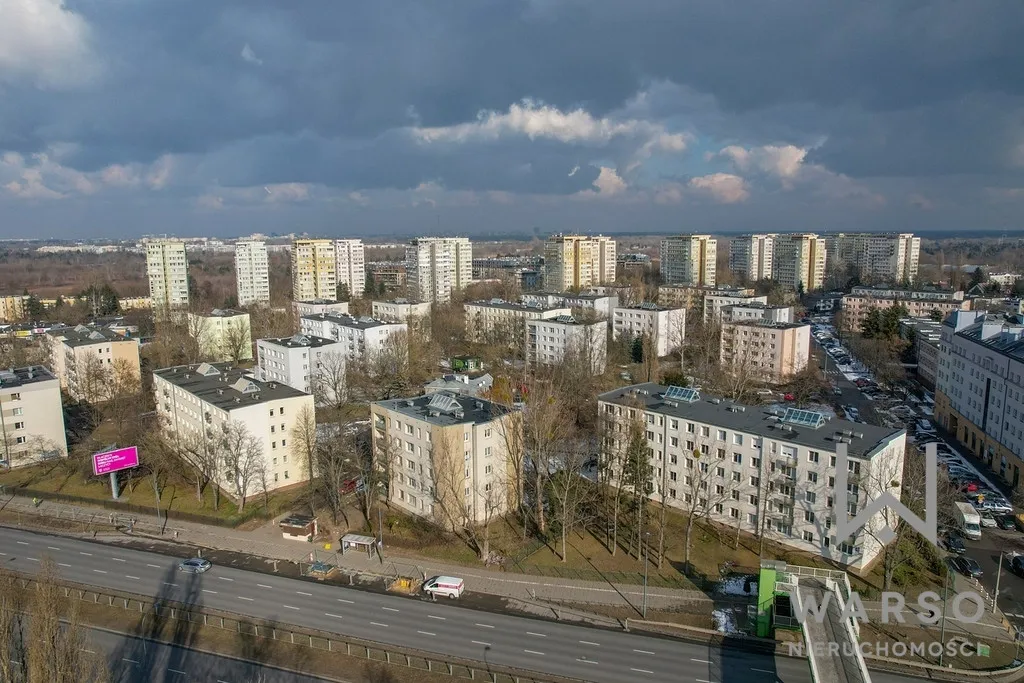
(115, 461)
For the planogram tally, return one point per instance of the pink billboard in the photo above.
(116, 460)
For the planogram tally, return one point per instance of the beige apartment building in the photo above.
(12, 307)
(314, 270)
(751, 257)
(198, 404)
(31, 416)
(167, 270)
(222, 334)
(437, 266)
(578, 262)
(666, 327)
(400, 310)
(771, 352)
(90, 362)
(919, 303)
(550, 341)
(689, 260)
(798, 261)
(694, 298)
(495, 319)
(446, 456)
(878, 257)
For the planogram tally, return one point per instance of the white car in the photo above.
(987, 520)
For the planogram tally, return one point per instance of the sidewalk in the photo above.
(267, 542)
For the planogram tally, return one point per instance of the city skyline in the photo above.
(498, 118)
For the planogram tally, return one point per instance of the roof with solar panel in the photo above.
(811, 428)
(446, 408)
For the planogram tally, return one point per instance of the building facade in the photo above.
(90, 362)
(252, 272)
(358, 336)
(601, 304)
(926, 336)
(496, 320)
(12, 307)
(926, 303)
(552, 340)
(878, 257)
(319, 307)
(689, 260)
(312, 365)
(578, 262)
(767, 351)
(199, 405)
(798, 261)
(756, 470)
(401, 310)
(715, 301)
(223, 334)
(437, 266)
(314, 270)
(664, 326)
(446, 456)
(979, 388)
(756, 311)
(32, 414)
(167, 271)
(751, 257)
(350, 265)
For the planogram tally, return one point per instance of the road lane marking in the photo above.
(156, 566)
(480, 642)
(485, 626)
(22, 543)
(32, 559)
(61, 564)
(118, 559)
(701, 680)
(344, 600)
(3, 553)
(377, 623)
(762, 671)
(125, 659)
(290, 607)
(641, 671)
(588, 642)
(177, 671)
(205, 590)
(92, 652)
(129, 576)
(173, 585)
(224, 578)
(262, 585)
(539, 635)
(434, 616)
(99, 571)
(336, 616)
(390, 609)
(51, 547)
(533, 652)
(242, 597)
(702, 661)
(86, 554)
(306, 594)
(586, 661)
(426, 633)
(644, 652)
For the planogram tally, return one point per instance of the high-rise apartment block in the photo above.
(798, 261)
(32, 428)
(689, 260)
(12, 307)
(350, 265)
(437, 266)
(314, 270)
(252, 272)
(750, 257)
(578, 262)
(891, 258)
(167, 270)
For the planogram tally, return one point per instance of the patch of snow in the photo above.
(734, 585)
(725, 621)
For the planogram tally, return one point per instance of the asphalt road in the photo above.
(1011, 587)
(444, 628)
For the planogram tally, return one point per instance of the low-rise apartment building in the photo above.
(311, 364)
(32, 423)
(693, 298)
(91, 362)
(358, 336)
(666, 327)
(320, 307)
(759, 470)
(553, 340)
(401, 310)
(715, 301)
(201, 405)
(925, 303)
(601, 304)
(475, 384)
(979, 388)
(12, 307)
(767, 351)
(445, 455)
(497, 320)
(926, 336)
(756, 311)
(223, 334)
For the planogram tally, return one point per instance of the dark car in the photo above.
(1006, 522)
(954, 544)
(1017, 565)
(196, 565)
(966, 566)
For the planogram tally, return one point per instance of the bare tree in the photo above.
(241, 457)
(236, 341)
(330, 380)
(194, 334)
(305, 442)
(14, 599)
(470, 516)
(704, 483)
(336, 464)
(738, 377)
(201, 454)
(384, 373)
(568, 489)
(547, 425)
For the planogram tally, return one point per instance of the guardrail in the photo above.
(329, 642)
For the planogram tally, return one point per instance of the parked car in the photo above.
(966, 566)
(1006, 522)
(1017, 564)
(954, 543)
(988, 520)
(196, 565)
(789, 397)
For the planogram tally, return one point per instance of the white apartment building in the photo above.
(31, 416)
(401, 310)
(300, 361)
(85, 359)
(760, 470)
(879, 257)
(666, 326)
(357, 336)
(196, 403)
(498, 320)
(689, 260)
(798, 261)
(446, 456)
(771, 352)
(319, 307)
(601, 304)
(715, 301)
(578, 261)
(252, 272)
(350, 265)
(223, 334)
(167, 270)
(750, 257)
(757, 311)
(549, 341)
(314, 270)
(437, 266)
(979, 388)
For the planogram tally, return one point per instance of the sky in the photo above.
(491, 117)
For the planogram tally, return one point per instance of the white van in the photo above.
(444, 585)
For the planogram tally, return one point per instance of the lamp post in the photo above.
(999, 575)
(942, 628)
(647, 543)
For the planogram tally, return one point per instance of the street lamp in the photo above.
(647, 545)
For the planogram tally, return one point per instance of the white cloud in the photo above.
(210, 201)
(287, 192)
(669, 193)
(250, 56)
(575, 169)
(43, 42)
(43, 176)
(724, 188)
(608, 184)
(358, 198)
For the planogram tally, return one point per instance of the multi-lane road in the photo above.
(444, 628)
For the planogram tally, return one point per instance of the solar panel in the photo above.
(804, 418)
(685, 394)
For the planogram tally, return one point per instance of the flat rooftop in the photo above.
(220, 384)
(222, 313)
(758, 420)
(765, 323)
(511, 305)
(346, 320)
(309, 341)
(85, 335)
(19, 377)
(445, 408)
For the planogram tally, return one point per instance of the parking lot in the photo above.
(986, 553)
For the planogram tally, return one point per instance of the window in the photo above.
(721, 435)
(487, 452)
(674, 424)
(755, 462)
(721, 453)
(487, 469)
(465, 437)
(672, 493)
(672, 476)
(272, 429)
(752, 519)
(285, 458)
(737, 439)
(690, 427)
(284, 442)
(810, 497)
(410, 447)
(705, 430)
(286, 474)
(408, 429)
(812, 477)
(275, 462)
(17, 411)
(808, 536)
(736, 476)
(812, 456)
(20, 439)
(737, 458)
(15, 397)
(752, 500)
(275, 478)
(19, 425)
(755, 481)
(720, 472)
(271, 412)
(282, 410)
(487, 433)
(273, 444)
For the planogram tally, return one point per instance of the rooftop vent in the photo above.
(716, 401)
(858, 435)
